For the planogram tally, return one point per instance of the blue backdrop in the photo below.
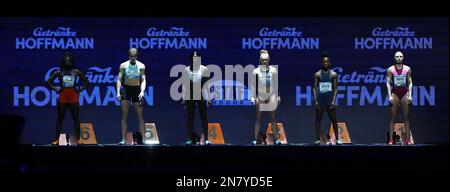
(361, 49)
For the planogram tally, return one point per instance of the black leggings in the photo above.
(75, 112)
(190, 105)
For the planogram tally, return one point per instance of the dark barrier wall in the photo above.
(361, 49)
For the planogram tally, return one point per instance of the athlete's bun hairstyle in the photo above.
(194, 53)
(133, 50)
(67, 55)
(325, 54)
(264, 54)
(191, 58)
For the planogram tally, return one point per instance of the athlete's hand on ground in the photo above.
(252, 100)
(390, 98)
(278, 100)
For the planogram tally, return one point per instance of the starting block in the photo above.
(281, 134)
(150, 134)
(343, 133)
(87, 135)
(215, 135)
(399, 129)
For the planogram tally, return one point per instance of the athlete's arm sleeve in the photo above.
(253, 82)
(276, 82)
(185, 89)
(207, 83)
